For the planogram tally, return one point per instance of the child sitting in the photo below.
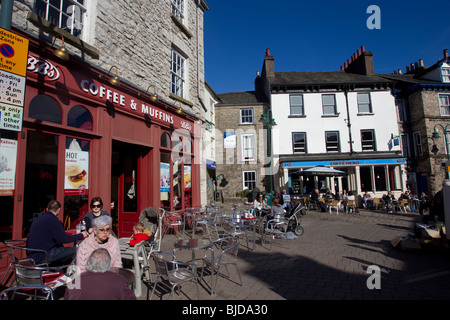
(140, 234)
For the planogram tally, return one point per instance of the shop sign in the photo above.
(11, 117)
(8, 155)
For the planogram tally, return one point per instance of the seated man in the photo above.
(98, 282)
(47, 233)
(316, 200)
(368, 201)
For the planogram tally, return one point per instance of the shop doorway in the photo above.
(126, 174)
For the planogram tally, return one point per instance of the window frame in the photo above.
(417, 138)
(177, 9)
(305, 145)
(373, 142)
(293, 106)
(77, 18)
(334, 106)
(369, 103)
(401, 110)
(329, 144)
(445, 73)
(445, 107)
(242, 116)
(245, 148)
(178, 73)
(246, 182)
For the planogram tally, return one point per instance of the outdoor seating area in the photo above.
(203, 242)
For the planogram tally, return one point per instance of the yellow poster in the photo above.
(13, 53)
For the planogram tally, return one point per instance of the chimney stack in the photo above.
(268, 69)
(445, 53)
(361, 62)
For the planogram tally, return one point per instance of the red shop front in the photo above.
(116, 141)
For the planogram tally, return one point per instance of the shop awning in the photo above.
(323, 171)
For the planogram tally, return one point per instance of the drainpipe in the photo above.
(349, 125)
(6, 14)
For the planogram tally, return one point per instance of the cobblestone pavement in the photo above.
(330, 262)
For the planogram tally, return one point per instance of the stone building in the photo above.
(241, 143)
(123, 105)
(423, 102)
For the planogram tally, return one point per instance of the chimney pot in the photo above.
(268, 52)
(421, 63)
(407, 69)
(399, 71)
(349, 61)
(416, 65)
(345, 65)
(363, 49)
(342, 68)
(359, 52)
(445, 53)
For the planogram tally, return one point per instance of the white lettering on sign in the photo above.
(43, 67)
(186, 125)
(156, 114)
(102, 92)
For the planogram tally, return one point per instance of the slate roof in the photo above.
(241, 98)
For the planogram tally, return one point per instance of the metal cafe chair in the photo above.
(224, 254)
(46, 292)
(173, 220)
(17, 250)
(172, 272)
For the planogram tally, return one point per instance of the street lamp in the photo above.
(436, 136)
(267, 119)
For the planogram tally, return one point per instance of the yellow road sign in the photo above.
(13, 53)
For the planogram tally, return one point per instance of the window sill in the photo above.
(181, 26)
(365, 114)
(331, 115)
(297, 116)
(178, 98)
(68, 38)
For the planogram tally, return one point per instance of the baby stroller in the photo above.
(294, 218)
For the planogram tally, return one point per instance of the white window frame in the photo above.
(364, 106)
(72, 19)
(248, 146)
(297, 108)
(417, 144)
(330, 148)
(177, 68)
(245, 182)
(445, 74)
(246, 116)
(327, 106)
(299, 146)
(368, 145)
(444, 104)
(178, 9)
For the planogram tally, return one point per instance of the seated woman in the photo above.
(276, 210)
(100, 238)
(260, 204)
(96, 207)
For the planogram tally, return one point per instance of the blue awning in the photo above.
(210, 164)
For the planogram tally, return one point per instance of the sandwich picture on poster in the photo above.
(76, 172)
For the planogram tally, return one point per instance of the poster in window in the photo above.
(8, 155)
(187, 178)
(76, 172)
(165, 177)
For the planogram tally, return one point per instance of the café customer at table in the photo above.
(99, 282)
(96, 207)
(47, 233)
(100, 238)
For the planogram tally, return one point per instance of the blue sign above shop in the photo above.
(345, 163)
(210, 164)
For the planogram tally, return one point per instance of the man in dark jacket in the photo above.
(47, 233)
(98, 282)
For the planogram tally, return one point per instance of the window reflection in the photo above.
(45, 108)
(79, 117)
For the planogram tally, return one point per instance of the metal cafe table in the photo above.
(192, 244)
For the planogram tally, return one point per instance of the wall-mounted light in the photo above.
(61, 52)
(179, 110)
(154, 96)
(115, 79)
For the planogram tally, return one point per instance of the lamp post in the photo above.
(436, 136)
(267, 119)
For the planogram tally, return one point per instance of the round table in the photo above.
(192, 244)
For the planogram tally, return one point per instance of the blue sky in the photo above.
(318, 36)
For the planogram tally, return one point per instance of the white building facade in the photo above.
(344, 119)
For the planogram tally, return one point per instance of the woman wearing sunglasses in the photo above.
(100, 238)
(96, 207)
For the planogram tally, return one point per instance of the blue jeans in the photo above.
(62, 254)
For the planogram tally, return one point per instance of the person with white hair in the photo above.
(101, 237)
(99, 282)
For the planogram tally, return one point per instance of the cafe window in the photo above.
(45, 108)
(177, 181)
(165, 181)
(8, 156)
(165, 140)
(79, 117)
